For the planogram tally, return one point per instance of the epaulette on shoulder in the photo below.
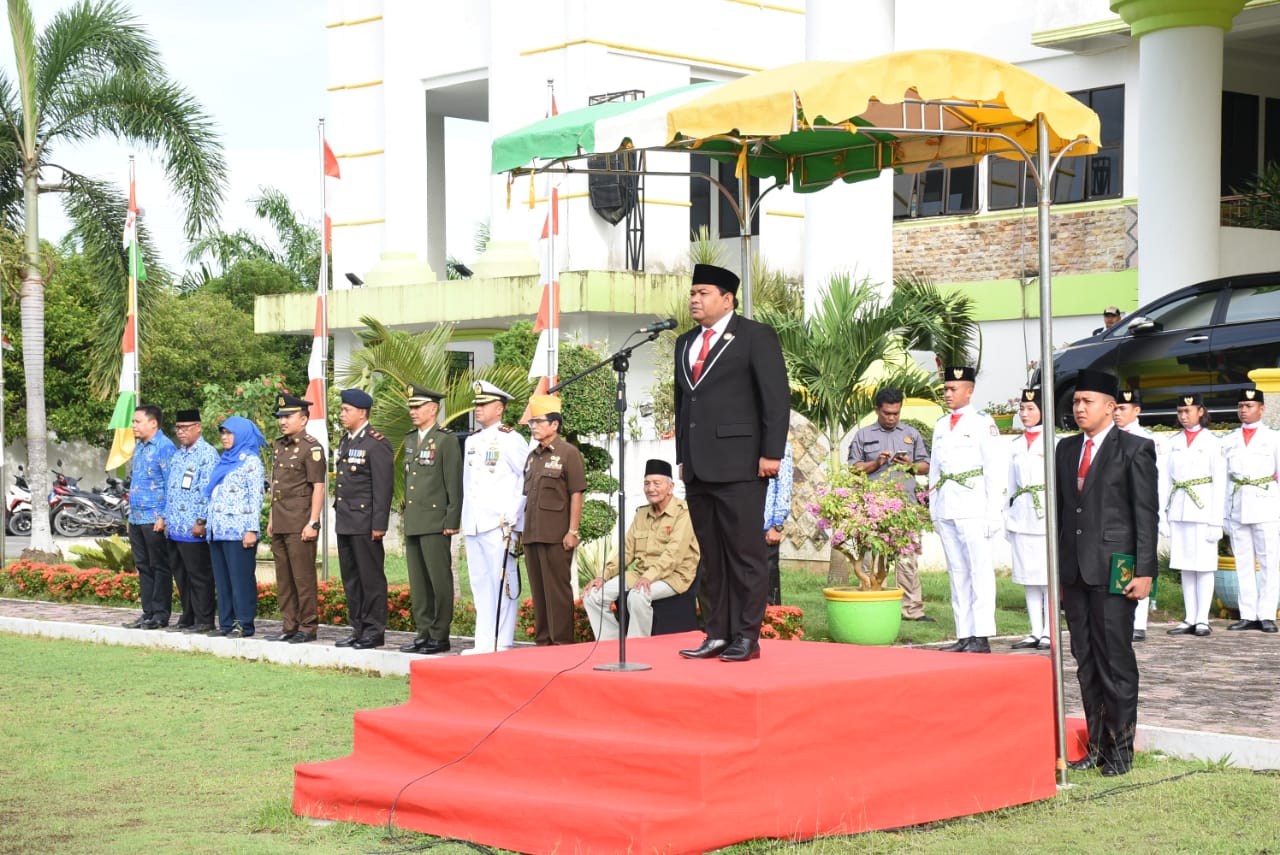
(506, 428)
(411, 432)
(308, 439)
(375, 434)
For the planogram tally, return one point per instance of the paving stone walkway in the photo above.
(1227, 683)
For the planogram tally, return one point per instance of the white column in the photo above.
(848, 226)
(434, 201)
(1180, 100)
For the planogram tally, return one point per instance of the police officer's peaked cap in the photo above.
(357, 398)
(287, 404)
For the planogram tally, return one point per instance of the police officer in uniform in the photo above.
(968, 474)
(492, 517)
(554, 483)
(432, 516)
(362, 510)
(293, 523)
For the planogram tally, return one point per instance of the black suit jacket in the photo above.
(739, 409)
(1116, 511)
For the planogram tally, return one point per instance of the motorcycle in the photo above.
(17, 506)
(76, 512)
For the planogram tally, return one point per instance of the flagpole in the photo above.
(133, 301)
(323, 296)
(553, 308)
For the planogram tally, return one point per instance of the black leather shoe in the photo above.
(709, 647)
(278, 636)
(1183, 629)
(740, 651)
(346, 642)
(415, 646)
(977, 644)
(1139, 635)
(177, 627)
(153, 624)
(198, 629)
(1085, 763)
(1268, 626)
(434, 646)
(921, 619)
(218, 633)
(136, 623)
(956, 646)
(301, 637)
(1028, 643)
(368, 642)
(1245, 624)
(1202, 629)
(1111, 770)
(1043, 643)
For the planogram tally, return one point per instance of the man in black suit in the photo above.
(732, 409)
(1107, 505)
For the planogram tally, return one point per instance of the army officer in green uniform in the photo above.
(432, 515)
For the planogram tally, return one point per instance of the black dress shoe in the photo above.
(1139, 635)
(136, 623)
(301, 637)
(153, 624)
(177, 627)
(415, 646)
(1268, 626)
(709, 647)
(1202, 629)
(346, 642)
(218, 633)
(434, 646)
(1111, 770)
(1043, 643)
(921, 619)
(977, 644)
(1085, 763)
(956, 646)
(1245, 624)
(198, 629)
(1183, 629)
(368, 642)
(1028, 643)
(741, 650)
(278, 636)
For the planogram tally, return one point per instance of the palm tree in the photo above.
(952, 333)
(853, 344)
(299, 242)
(92, 72)
(392, 359)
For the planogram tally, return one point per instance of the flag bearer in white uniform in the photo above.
(1128, 408)
(492, 517)
(1252, 517)
(1192, 495)
(1024, 521)
(968, 473)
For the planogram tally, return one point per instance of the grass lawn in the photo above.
(119, 750)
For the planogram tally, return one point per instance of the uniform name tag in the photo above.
(188, 478)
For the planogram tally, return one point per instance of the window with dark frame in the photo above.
(937, 192)
(1250, 139)
(702, 191)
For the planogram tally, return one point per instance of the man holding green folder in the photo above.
(1107, 526)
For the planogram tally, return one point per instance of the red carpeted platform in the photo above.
(811, 739)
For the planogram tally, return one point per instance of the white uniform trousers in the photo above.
(639, 609)
(485, 553)
(973, 578)
(1260, 591)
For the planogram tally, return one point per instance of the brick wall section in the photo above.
(977, 250)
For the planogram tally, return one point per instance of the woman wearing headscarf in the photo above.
(235, 508)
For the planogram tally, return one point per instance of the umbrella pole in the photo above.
(744, 242)
(1049, 395)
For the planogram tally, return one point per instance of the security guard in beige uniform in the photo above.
(362, 510)
(432, 516)
(297, 499)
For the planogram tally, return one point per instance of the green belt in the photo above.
(961, 478)
(1035, 490)
(1187, 485)
(1264, 483)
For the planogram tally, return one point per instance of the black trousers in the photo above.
(193, 573)
(360, 558)
(155, 581)
(1102, 644)
(735, 583)
(775, 573)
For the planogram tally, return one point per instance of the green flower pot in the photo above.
(855, 616)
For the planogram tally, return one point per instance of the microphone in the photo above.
(668, 324)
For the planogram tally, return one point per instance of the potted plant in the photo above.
(1002, 413)
(879, 519)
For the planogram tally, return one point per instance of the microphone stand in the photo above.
(621, 362)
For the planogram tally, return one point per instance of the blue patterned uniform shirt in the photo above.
(150, 472)
(777, 501)
(184, 500)
(236, 504)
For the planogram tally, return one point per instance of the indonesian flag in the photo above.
(316, 423)
(122, 417)
(546, 356)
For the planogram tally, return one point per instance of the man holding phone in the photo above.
(881, 450)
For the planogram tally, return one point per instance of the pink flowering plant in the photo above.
(880, 518)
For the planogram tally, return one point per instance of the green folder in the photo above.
(1122, 571)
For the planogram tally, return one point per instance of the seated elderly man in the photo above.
(663, 555)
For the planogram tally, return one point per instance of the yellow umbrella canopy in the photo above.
(814, 123)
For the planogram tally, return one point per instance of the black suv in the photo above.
(1204, 338)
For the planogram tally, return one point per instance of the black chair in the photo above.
(678, 613)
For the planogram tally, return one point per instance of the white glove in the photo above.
(994, 526)
(1163, 527)
(1214, 534)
